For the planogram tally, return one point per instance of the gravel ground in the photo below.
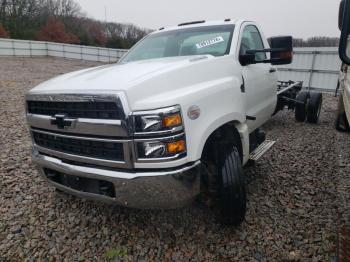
(297, 197)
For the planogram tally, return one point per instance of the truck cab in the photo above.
(173, 117)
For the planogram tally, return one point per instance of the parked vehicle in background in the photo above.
(342, 123)
(180, 114)
(343, 115)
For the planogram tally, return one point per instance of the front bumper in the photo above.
(166, 189)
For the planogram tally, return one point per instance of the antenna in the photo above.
(105, 14)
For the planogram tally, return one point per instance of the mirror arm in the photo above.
(267, 61)
(252, 52)
(345, 34)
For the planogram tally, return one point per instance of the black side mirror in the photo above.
(344, 25)
(281, 50)
(247, 59)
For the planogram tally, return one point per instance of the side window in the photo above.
(251, 39)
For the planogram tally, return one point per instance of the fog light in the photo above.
(176, 147)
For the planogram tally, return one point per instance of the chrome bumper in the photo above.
(143, 190)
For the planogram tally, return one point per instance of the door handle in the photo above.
(273, 70)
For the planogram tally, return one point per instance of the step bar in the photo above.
(261, 150)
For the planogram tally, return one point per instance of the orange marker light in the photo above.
(172, 120)
(176, 147)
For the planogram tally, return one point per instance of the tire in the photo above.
(342, 123)
(232, 191)
(301, 109)
(314, 107)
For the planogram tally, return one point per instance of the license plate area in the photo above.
(82, 184)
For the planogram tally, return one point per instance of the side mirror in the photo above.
(281, 50)
(247, 59)
(344, 25)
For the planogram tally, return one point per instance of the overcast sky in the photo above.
(300, 18)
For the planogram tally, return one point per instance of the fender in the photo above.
(237, 121)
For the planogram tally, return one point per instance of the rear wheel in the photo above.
(301, 107)
(314, 107)
(232, 192)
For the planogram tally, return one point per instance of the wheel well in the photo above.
(225, 136)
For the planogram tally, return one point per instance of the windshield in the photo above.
(209, 40)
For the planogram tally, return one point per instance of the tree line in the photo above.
(63, 21)
(316, 42)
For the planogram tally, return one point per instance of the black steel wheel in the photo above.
(314, 107)
(301, 107)
(232, 191)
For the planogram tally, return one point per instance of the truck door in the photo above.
(260, 80)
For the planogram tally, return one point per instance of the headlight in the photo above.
(158, 122)
(165, 126)
(166, 148)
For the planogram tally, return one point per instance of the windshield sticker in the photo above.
(210, 42)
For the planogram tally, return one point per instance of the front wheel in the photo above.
(232, 191)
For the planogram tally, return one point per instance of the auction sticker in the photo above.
(210, 42)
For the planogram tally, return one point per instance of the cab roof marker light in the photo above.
(192, 23)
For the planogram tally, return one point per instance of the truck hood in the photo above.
(115, 77)
(138, 80)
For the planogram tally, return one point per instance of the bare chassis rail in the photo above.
(287, 92)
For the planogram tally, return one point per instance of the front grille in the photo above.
(89, 148)
(82, 184)
(94, 110)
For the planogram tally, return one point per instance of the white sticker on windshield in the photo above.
(210, 42)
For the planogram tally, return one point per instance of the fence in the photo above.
(11, 47)
(317, 67)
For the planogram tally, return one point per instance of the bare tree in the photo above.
(23, 19)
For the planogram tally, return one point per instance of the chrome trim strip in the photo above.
(166, 110)
(159, 133)
(73, 97)
(84, 126)
(81, 137)
(82, 159)
(160, 160)
(57, 164)
(168, 138)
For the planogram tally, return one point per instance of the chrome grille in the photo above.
(113, 151)
(87, 109)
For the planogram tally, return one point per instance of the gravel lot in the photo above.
(297, 197)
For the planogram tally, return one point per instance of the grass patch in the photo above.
(116, 253)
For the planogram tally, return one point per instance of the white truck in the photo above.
(178, 115)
